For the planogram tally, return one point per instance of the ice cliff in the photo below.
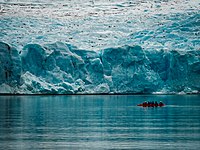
(136, 56)
(63, 69)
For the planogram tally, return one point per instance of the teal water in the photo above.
(99, 122)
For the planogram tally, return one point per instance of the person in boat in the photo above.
(156, 104)
(161, 103)
(152, 104)
(149, 104)
(144, 104)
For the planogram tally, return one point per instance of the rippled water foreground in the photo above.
(99, 122)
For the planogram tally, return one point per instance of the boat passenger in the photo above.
(161, 103)
(145, 104)
(156, 104)
(149, 104)
(152, 104)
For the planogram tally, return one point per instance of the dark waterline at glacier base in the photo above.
(99, 122)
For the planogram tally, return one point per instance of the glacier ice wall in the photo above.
(60, 68)
(93, 48)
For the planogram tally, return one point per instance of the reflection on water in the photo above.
(99, 122)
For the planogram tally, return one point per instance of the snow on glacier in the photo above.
(65, 47)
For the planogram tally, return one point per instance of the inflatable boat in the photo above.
(151, 105)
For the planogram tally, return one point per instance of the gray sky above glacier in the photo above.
(87, 24)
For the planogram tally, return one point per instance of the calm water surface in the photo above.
(99, 122)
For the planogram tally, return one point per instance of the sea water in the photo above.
(99, 122)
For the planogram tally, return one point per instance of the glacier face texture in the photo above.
(124, 47)
(60, 68)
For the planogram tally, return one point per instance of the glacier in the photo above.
(60, 68)
(135, 57)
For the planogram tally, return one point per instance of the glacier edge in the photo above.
(61, 68)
